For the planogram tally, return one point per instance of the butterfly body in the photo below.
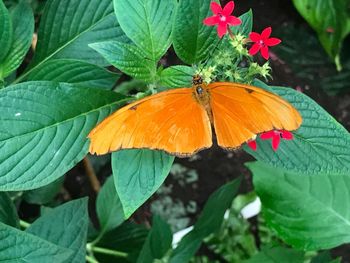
(179, 121)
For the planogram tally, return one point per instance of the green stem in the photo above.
(109, 252)
(24, 224)
(91, 260)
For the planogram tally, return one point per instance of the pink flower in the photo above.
(262, 42)
(222, 17)
(252, 145)
(276, 136)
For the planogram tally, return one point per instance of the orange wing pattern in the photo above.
(171, 121)
(240, 112)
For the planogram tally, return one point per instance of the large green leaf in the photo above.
(65, 226)
(76, 72)
(22, 247)
(138, 174)
(158, 241)
(276, 255)
(5, 32)
(23, 29)
(108, 207)
(247, 24)
(177, 76)
(193, 41)
(43, 129)
(67, 27)
(209, 222)
(308, 212)
(147, 23)
(128, 58)
(8, 211)
(320, 145)
(330, 19)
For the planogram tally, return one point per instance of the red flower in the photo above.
(276, 136)
(252, 145)
(222, 17)
(262, 42)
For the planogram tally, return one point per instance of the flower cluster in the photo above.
(236, 64)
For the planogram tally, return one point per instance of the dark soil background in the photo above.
(216, 166)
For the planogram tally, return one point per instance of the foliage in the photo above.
(52, 94)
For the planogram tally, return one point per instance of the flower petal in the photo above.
(215, 8)
(287, 135)
(252, 145)
(254, 49)
(233, 21)
(222, 29)
(255, 37)
(212, 20)
(266, 33)
(265, 52)
(276, 142)
(273, 41)
(267, 135)
(228, 9)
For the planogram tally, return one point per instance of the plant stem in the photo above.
(91, 175)
(109, 252)
(91, 260)
(24, 224)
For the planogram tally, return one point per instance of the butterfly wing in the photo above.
(171, 121)
(240, 112)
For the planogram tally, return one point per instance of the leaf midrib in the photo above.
(61, 48)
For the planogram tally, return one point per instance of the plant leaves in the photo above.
(307, 212)
(208, 222)
(76, 72)
(43, 129)
(247, 24)
(45, 194)
(8, 211)
(5, 31)
(193, 41)
(177, 76)
(108, 207)
(127, 58)
(65, 226)
(277, 254)
(68, 27)
(147, 23)
(329, 19)
(320, 145)
(158, 241)
(138, 174)
(23, 29)
(22, 247)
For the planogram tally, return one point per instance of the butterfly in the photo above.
(179, 121)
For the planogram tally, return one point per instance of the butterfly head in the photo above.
(197, 80)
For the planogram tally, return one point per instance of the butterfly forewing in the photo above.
(171, 121)
(240, 112)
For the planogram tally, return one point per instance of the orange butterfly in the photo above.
(179, 121)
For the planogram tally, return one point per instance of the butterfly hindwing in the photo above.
(240, 112)
(171, 121)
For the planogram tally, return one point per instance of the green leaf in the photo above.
(147, 23)
(8, 211)
(177, 76)
(45, 194)
(68, 27)
(276, 255)
(109, 208)
(158, 241)
(5, 31)
(76, 72)
(138, 174)
(247, 24)
(308, 212)
(23, 29)
(193, 41)
(325, 257)
(330, 19)
(65, 226)
(127, 58)
(209, 221)
(22, 247)
(43, 130)
(320, 145)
